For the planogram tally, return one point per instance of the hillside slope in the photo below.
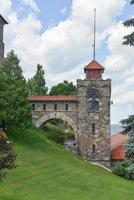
(45, 172)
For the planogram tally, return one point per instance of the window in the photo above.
(66, 106)
(33, 106)
(93, 106)
(93, 148)
(55, 106)
(93, 128)
(44, 106)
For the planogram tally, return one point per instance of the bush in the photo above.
(7, 156)
(124, 169)
(70, 135)
(54, 133)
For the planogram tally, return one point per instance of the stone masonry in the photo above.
(94, 119)
(2, 23)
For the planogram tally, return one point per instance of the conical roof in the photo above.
(94, 65)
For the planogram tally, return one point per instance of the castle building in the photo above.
(94, 95)
(88, 114)
(2, 23)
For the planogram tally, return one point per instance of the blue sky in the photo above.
(59, 35)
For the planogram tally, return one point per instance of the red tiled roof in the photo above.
(94, 65)
(117, 146)
(52, 98)
(5, 22)
(118, 139)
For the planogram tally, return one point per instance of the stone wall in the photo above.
(40, 116)
(89, 92)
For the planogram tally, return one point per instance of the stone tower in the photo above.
(94, 95)
(2, 23)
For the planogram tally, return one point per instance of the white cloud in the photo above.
(5, 7)
(32, 4)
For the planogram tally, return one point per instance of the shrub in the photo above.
(70, 134)
(55, 133)
(7, 156)
(124, 169)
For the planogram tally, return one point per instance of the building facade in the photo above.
(2, 23)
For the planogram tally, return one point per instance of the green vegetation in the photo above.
(7, 156)
(46, 172)
(55, 131)
(128, 128)
(14, 107)
(64, 88)
(125, 169)
(129, 39)
(37, 84)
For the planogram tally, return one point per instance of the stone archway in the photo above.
(56, 115)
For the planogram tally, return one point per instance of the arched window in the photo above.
(66, 106)
(55, 106)
(93, 149)
(44, 106)
(33, 106)
(93, 106)
(93, 128)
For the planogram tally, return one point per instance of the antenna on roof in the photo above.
(94, 45)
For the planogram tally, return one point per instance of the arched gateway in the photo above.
(56, 115)
(46, 108)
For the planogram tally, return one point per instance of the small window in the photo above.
(55, 106)
(44, 106)
(93, 106)
(33, 106)
(66, 106)
(93, 148)
(93, 128)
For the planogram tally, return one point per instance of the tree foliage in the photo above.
(37, 84)
(128, 126)
(14, 107)
(129, 39)
(64, 88)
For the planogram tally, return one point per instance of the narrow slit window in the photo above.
(66, 106)
(93, 128)
(93, 148)
(33, 106)
(55, 106)
(44, 106)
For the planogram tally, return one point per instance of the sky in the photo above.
(59, 35)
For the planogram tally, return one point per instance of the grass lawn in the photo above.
(46, 172)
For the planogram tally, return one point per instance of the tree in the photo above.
(128, 126)
(37, 84)
(129, 39)
(7, 156)
(14, 107)
(64, 88)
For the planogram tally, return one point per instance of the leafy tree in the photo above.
(128, 126)
(37, 84)
(64, 88)
(7, 156)
(14, 107)
(129, 39)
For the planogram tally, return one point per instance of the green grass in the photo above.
(46, 172)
